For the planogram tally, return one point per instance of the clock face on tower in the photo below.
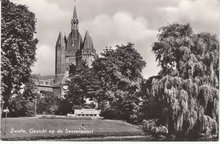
(74, 23)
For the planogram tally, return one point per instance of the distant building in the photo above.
(73, 49)
(68, 50)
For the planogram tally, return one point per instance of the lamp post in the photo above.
(35, 106)
(2, 104)
(6, 114)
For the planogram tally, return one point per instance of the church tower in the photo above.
(74, 42)
(72, 49)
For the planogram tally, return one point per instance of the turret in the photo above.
(60, 55)
(87, 43)
(88, 51)
(60, 40)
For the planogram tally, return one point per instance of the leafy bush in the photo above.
(47, 104)
(22, 107)
(23, 104)
(150, 127)
(64, 107)
(147, 126)
(110, 113)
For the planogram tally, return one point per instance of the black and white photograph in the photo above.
(110, 70)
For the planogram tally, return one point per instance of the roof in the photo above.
(87, 43)
(87, 111)
(46, 77)
(59, 78)
(60, 40)
(54, 80)
(74, 41)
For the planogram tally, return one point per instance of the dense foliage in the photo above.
(24, 103)
(113, 82)
(186, 89)
(120, 72)
(83, 83)
(47, 103)
(18, 47)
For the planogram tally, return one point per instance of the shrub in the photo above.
(147, 126)
(48, 104)
(150, 127)
(21, 107)
(64, 107)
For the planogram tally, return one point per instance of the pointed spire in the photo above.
(74, 21)
(74, 12)
(87, 34)
(88, 43)
(60, 40)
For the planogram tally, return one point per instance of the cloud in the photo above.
(49, 17)
(122, 28)
(204, 10)
(45, 11)
(117, 29)
(203, 15)
(168, 9)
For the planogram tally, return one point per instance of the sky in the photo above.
(112, 22)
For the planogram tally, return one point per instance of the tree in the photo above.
(48, 103)
(113, 81)
(18, 48)
(23, 104)
(149, 108)
(119, 71)
(83, 84)
(186, 90)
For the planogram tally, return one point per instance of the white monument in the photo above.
(87, 113)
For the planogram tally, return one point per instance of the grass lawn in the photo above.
(36, 128)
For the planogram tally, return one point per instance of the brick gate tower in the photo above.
(73, 49)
